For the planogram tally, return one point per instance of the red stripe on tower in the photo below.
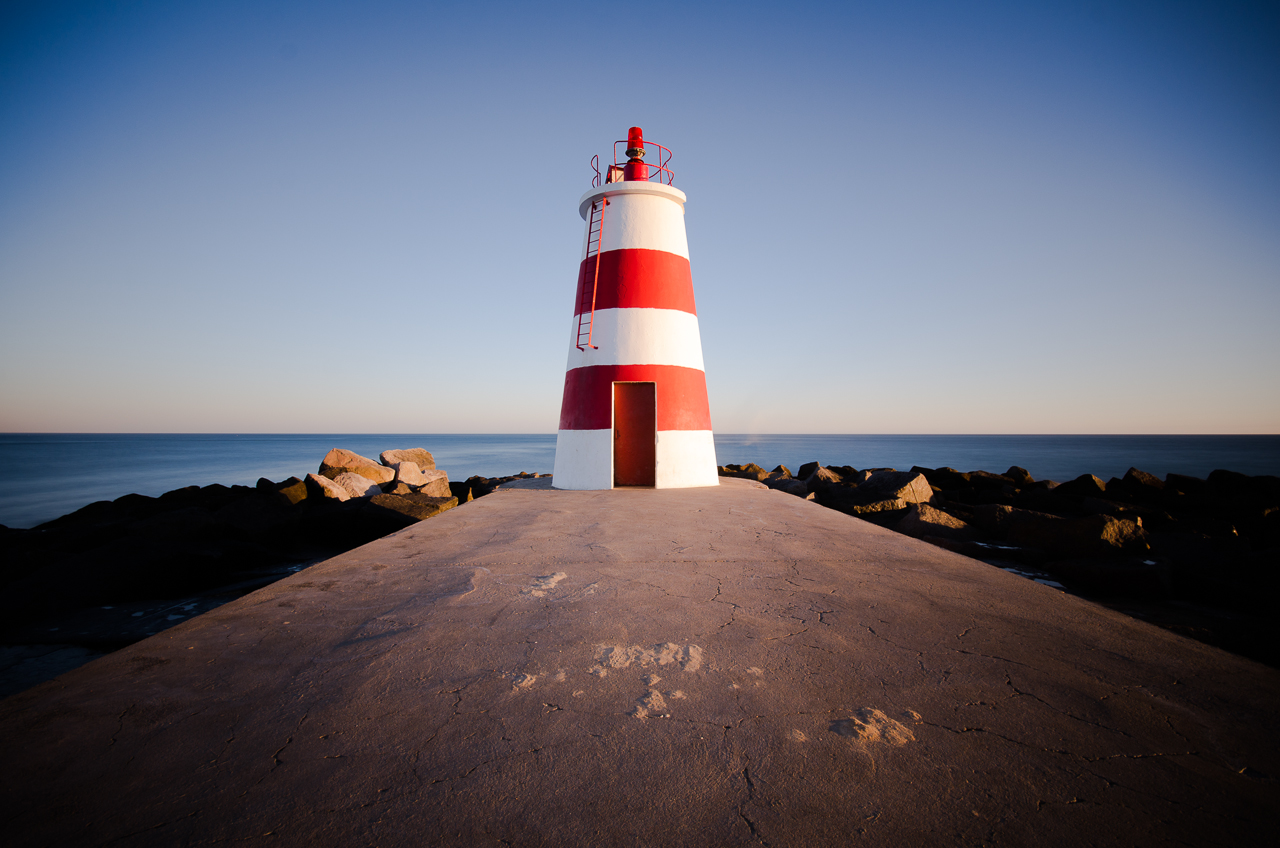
(681, 395)
(638, 279)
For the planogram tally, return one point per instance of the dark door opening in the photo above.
(635, 434)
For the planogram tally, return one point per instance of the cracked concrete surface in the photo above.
(728, 666)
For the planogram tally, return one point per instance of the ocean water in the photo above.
(43, 476)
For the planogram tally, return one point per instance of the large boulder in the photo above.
(407, 472)
(894, 485)
(418, 456)
(987, 480)
(750, 471)
(1019, 476)
(1084, 486)
(323, 487)
(339, 461)
(1092, 535)
(822, 477)
(790, 485)
(1142, 485)
(292, 491)
(943, 478)
(417, 507)
(925, 522)
(357, 485)
(1184, 484)
(435, 484)
(481, 486)
(884, 495)
(1112, 576)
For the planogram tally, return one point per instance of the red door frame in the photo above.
(635, 434)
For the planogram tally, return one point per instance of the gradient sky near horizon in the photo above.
(909, 217)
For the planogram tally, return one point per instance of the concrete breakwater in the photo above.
(1201, 556)
(719, 666)
(1197, 556)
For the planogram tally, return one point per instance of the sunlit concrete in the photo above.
(718, 666)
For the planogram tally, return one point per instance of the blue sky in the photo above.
(903, 217)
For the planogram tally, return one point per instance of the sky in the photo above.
(907, 217)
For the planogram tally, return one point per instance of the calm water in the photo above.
(43, 476)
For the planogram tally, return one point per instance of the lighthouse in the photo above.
(635, 410)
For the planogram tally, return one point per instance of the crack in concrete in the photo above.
(119, 724)
(1059, 751)
(788, 635)
(1020, 693)
(989, 657)
(484, 763)
(276, 762)
(751, 795)
(888, 641)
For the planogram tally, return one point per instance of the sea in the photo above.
(46, 475)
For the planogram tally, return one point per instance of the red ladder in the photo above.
(587, 306)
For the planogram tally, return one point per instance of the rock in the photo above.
(1242, 492)
(996, 519)
(323, 487)
(1127, 577)
(461, 491)
(436, 485)
(1019, 476)
(417, 507)
(256, 514)
(357, 485)
(783, 470)
(885, 513)
(481, 486)
(339, 461)
(1087, 536)
(774, 476)
(807, 469)
(820, 477)
(407, 472)
(293, 491)
(1084, 486)
(987, 480)
(790, 485)
(397, 488)
(944, 478)
(1038, 496)
(923, 520)
(1184, 484)
(750, 471)
(886, 495)
(418, 456)
(894, 485)
(1140, 483)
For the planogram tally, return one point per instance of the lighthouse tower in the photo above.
(635, 407)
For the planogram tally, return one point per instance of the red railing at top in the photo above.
(658, 171)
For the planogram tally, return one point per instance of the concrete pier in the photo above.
(721, 666)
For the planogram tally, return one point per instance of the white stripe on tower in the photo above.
(641, 337)
(640, 216)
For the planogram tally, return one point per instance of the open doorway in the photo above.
(635, 434)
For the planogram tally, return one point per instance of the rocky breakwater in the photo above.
(117, 571)
(1199, 555)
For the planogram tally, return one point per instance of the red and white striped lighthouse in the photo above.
(635, 409)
